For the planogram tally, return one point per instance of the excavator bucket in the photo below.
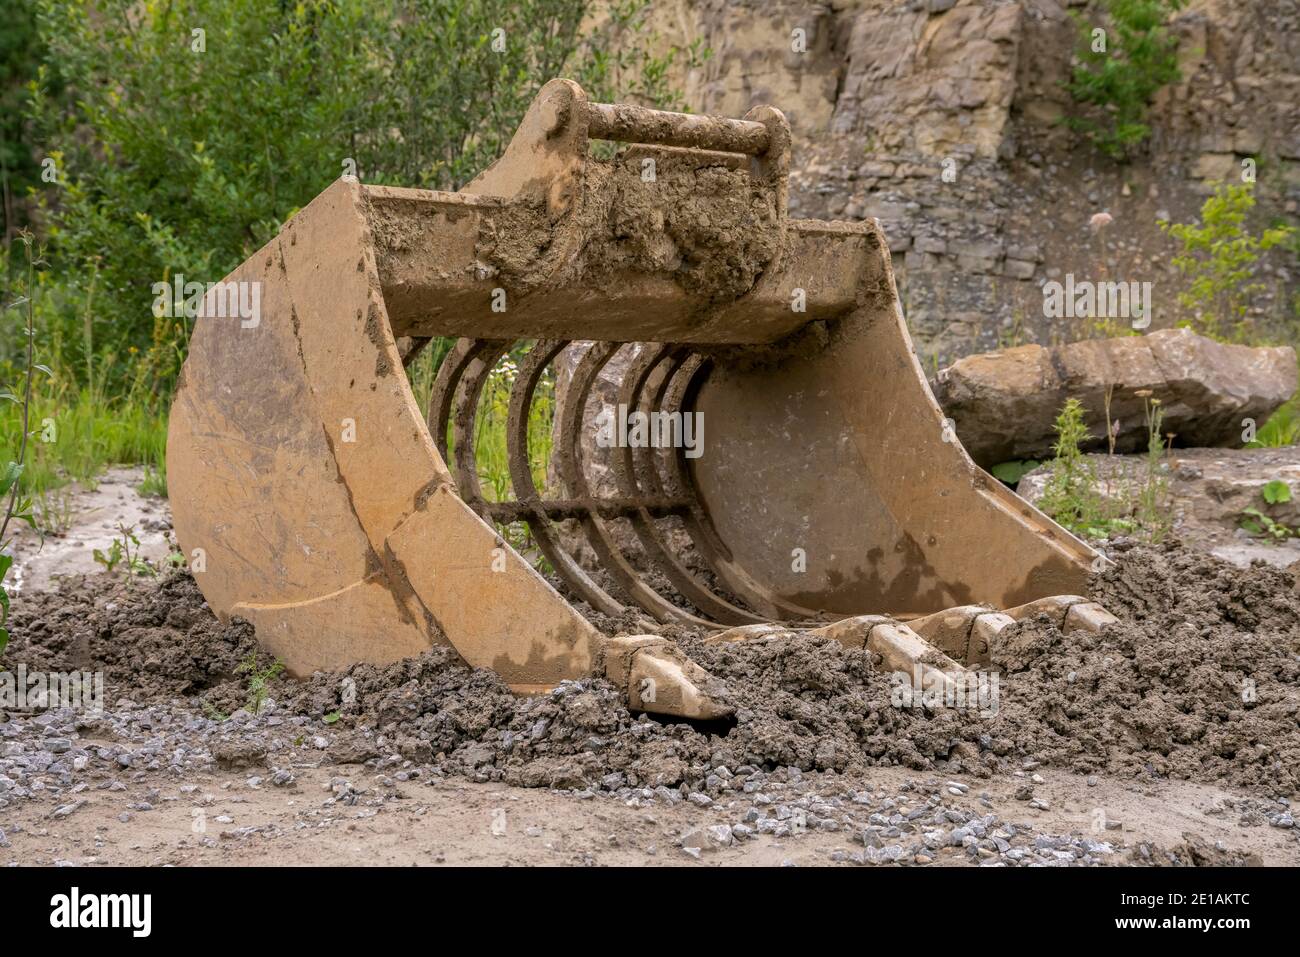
(825, 493)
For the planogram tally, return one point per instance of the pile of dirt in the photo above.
(154, 640)
(1199, 680)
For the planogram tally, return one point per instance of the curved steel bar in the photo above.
(627, 473)
(575, 483)
(521, 478)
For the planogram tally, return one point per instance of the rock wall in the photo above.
(942, 119)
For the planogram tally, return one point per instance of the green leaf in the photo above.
(4, 639)
(331, 717)
(1277, 491)
(1011, 472)
(9, 477)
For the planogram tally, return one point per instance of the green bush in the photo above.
(21, 51)
(1219, 257)
(1138, 58)
(190, 131)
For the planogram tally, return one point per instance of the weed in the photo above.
(1120, 69)
(212, 713)
(1071, 496)
(54, 511)
(259, 680)
(1219, 257)
(124, 551)
(1256, 522)
(1151, 498)
(1276, 492)
(154, 483)
(1076, 497)
(1281, 429)
(1013, 333)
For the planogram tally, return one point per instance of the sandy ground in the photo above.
(72, 796)
(223, 821)
(96, 517)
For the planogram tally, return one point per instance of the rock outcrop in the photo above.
(943, 119)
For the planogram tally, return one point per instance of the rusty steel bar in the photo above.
(521, 479)
(558, 509)
(569, 465)
(633, 395)
(638, 124)
(442, 397)
(483, 357)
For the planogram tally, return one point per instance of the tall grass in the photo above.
(1282, 427)
(76, 435)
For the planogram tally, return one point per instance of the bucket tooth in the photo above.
(902, 651)
(983, 636)
(1087, 616)
(949, 630)
(658, 678)
(1055, 607)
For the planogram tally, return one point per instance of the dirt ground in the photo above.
(226, 821)
(1172, 738)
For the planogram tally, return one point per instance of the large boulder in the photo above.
(1004, 403)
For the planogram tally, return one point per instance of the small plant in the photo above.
(54, 511)
(124, 550)
(1071, 496)
(112, 558)
(212, 713)
(1259, 524)
(1282, 429)
(154, 483)
(1152, 496)
(1276, 492)
(1074, 493)
(331, 717)
(1219, 257)
(1120, 69)
(259, 680)
(1013, 332)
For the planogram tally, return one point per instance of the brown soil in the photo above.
(1197, 682)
